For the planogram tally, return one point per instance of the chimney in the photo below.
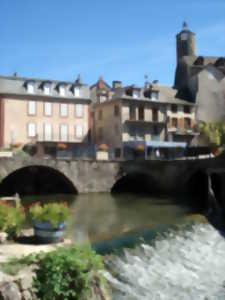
(116, 84)
(155, 82)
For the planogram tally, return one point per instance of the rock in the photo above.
(196, 218)
(9, 291)
(25, 278)
(27, 295)
(3, 237)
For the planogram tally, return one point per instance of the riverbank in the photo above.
(28, 272)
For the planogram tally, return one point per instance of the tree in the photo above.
(214, 132)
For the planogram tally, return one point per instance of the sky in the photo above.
(118, 39)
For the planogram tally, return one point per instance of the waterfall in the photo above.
(187, 264)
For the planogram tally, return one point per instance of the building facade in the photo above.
(135, 116)
(43, 111)
(200, 79)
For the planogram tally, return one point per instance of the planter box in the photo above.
(45, 232)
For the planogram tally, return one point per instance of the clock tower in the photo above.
(185, 43)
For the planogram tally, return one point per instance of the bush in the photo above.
(64, 273)
(11, 219)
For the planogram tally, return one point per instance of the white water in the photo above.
(187, 265)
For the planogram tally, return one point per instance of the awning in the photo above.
(155, 144)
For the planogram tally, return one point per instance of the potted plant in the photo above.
(12, 218)
(49, 221)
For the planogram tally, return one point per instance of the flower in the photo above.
(54, 213)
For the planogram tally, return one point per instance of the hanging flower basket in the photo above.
(103, 147)
(140, 147)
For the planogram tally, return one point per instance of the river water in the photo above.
(174, 259)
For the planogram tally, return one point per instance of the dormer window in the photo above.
(30, 87)
(155, 96)
(76, 91)
(47, 89)
(62, 90)
(136, 94)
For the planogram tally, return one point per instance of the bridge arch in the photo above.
(36, 179)
(135, 182)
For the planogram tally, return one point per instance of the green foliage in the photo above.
(215, 132)
(54, 213)
(11, 218)
(64, 273)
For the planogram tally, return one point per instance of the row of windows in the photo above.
(32, 109)
(116, 112)
(174, 108)
(187, 122)
(47, 89)
(48, 131)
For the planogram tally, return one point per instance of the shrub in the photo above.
(54, 213)
(64, 273)
(11, 219)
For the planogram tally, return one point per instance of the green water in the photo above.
(99, 217)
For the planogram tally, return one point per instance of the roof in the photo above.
(17, 87)
(190, 60)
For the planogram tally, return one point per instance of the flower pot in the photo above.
(45, 232)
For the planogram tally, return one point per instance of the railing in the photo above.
(57, 138)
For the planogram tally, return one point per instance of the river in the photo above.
(168, 257)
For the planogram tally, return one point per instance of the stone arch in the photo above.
(196, 185)
(36, 179)
(135, 182)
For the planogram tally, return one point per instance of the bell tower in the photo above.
(185, 42)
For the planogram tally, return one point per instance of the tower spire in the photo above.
(185, 25)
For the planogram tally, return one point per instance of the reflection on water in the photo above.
(102, 216)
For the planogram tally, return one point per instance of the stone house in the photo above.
(43, 111)
(200, 79)
(134, 116)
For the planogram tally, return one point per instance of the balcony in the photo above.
(56, 138)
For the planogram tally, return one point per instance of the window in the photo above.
(79, 131)
(77, 91)
(31, 130)
(187, 109)
(174, 122)
(30, 88)
(154, 96)
(48, 108)
(184, 36)
(62, 90)
(155, 115)
(187, 123)
(63, 110)
(132, 112)
(116, 129)
(116, 110)
(63, 132)
(31, 108)
(100, 114)
(141, 113)
(79, 110)
(47, 89)
(174, 108)
(117, 152)
(102, 98)
(136, 94)
(155, 130)
(47, 132)
(100, 133)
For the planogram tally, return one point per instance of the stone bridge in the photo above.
(103, 176)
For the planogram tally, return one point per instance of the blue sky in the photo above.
(119, 39)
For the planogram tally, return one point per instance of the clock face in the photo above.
(184, 36)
